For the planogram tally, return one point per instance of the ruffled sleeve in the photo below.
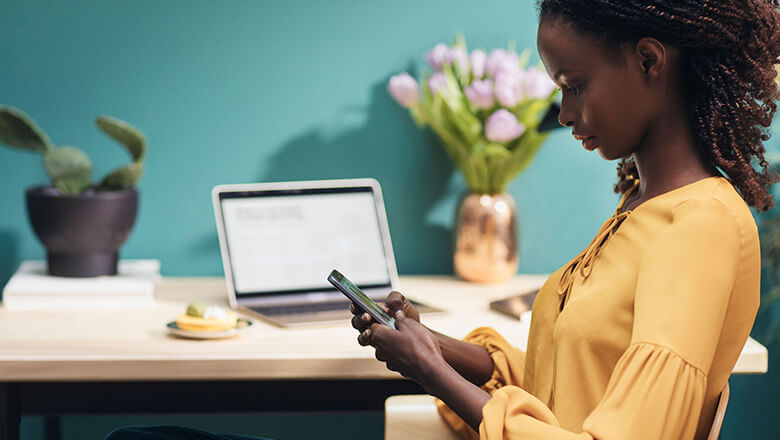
(656, 390)
(508, 368)
(653, 394)
(508, 361)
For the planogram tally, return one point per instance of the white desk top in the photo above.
(134, 345)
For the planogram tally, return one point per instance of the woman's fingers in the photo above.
(369, 335)
(355, 309)
(364, 338)
(382, 336)
(395, 300)
(361, 321)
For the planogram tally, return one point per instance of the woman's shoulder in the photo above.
(715, 205)
(716, 218)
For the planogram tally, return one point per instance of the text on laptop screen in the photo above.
(290, 242)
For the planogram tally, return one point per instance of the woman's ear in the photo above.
(652, 57)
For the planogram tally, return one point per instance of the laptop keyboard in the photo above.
(298, 309)
(317, 307)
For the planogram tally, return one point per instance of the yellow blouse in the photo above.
(656, 311)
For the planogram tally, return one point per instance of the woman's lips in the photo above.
(589, 142)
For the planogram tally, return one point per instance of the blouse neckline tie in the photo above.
(583, 263)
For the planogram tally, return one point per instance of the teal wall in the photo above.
(248, 91)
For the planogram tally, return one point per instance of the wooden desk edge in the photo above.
(752, 360)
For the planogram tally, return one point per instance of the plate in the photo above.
(241, 325)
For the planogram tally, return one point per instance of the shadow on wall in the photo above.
(385, 144)
(9, 245)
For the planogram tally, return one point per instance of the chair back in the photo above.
(717, 423)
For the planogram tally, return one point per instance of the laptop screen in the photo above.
(288, 241)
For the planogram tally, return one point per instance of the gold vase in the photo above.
(486, 238)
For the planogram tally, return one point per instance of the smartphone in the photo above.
(362, 300)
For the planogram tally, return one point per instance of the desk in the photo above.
(72, 362)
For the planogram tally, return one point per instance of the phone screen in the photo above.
(352, 291)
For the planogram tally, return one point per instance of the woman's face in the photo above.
(604, 95)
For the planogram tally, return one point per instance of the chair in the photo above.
(416, 417)
(720, 413)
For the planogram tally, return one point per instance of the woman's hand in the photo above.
(397, 301)
(411, 349)
(415, 352)
(361, 320)
(469, 360)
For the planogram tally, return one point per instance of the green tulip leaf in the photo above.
(522, 155)
(497, 151)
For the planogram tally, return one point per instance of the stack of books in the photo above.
(31, 288)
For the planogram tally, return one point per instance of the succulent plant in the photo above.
(69, 168)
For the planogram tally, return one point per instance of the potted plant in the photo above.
(81, 224)
(491, 113)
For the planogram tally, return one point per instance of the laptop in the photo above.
(279, 241)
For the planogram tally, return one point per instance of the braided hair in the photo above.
(728, 52)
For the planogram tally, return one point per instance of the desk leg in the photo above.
(9, 411)
(53, 429)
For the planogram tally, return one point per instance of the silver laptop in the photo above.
(279, 241)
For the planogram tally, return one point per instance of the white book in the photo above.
(132, 288)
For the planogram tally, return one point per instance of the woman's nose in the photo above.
(565, 123)
(565, 114)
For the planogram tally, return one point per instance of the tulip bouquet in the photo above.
(485, 107)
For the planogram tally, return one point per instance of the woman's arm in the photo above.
(471, 361)
(415, 352)
(460, 394)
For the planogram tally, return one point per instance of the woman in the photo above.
(635, 337)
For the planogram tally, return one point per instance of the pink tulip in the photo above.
(496, 56)
(458, 57)
(404, 89)
(480, 93)
(478, 58)
(509, 88)
(500, 60)
(437, 57)
(503, 126)
(537, 84)
(437, 83)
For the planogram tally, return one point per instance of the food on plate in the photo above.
(200, 318)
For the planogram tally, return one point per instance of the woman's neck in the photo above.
(668, 158)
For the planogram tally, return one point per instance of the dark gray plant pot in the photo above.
(82, 233)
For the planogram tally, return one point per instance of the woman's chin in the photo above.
(607, 154)
(604, 155)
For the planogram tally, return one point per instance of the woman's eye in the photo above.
(574, 90)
